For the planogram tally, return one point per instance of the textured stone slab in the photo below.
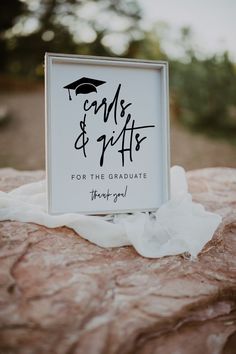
(60, 294)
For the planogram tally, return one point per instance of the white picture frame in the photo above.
(107, 134)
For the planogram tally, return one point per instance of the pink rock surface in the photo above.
(60, 294)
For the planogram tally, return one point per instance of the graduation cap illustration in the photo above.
(83, 86)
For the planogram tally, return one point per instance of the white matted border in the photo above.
(162, 66)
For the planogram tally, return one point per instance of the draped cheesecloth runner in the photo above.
(178, 226)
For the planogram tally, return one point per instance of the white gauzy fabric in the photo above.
(178, 226)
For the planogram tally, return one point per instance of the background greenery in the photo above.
(203, 89)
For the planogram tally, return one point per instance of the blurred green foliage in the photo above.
(203, 90)
(204, 94)
(39, 26)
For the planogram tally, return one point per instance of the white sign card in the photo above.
(107, 134)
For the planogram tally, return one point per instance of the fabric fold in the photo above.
(178, 226)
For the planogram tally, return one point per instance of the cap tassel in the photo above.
(69, 95)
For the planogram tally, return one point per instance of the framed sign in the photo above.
(107, 134)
